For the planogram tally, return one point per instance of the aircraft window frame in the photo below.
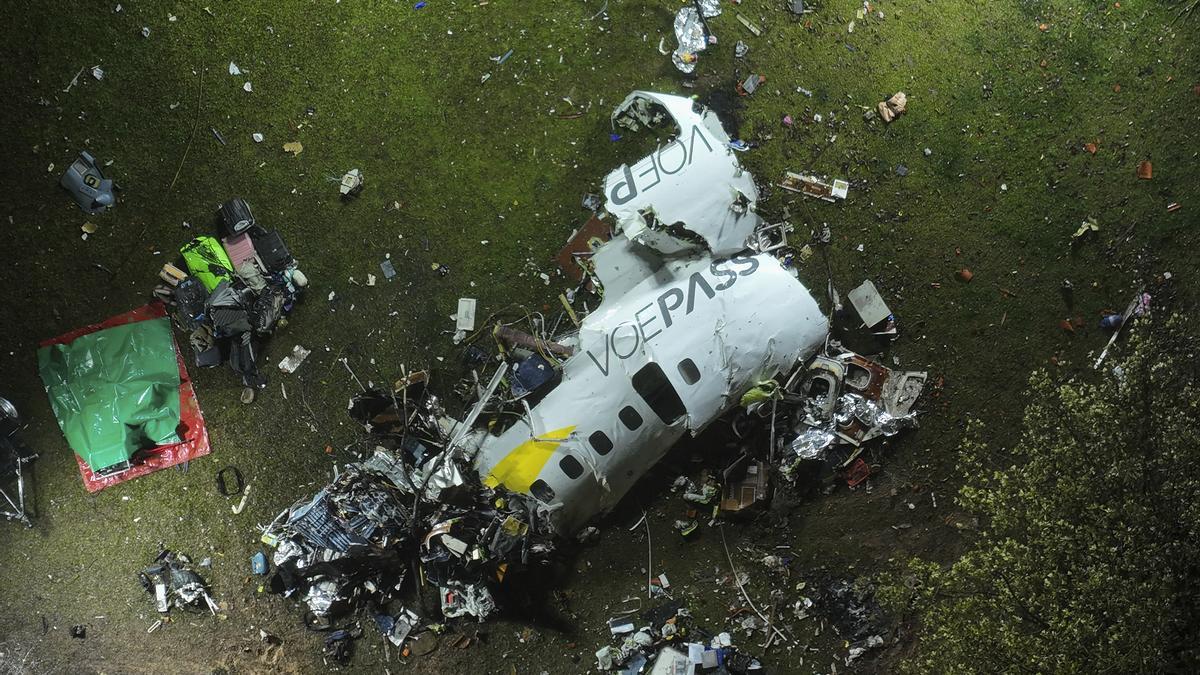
(606, 442)
(652, 385)
(542, 491)
(626, 414)
(576, 467)
(689, 371)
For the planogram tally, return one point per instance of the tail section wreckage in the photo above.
(697, 319)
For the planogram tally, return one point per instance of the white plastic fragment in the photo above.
(290, 363)
(466, 314)
(247, 86)
(233, 69)
(258, 138)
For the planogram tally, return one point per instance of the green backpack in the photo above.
(207, 261)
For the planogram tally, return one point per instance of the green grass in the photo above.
(396, 92)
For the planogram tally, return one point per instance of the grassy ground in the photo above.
(1003, 94)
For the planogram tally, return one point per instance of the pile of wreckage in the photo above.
(235, 291)
(569, 420)
(175, 584)
(353, 543)
(668, 642)
(14, 455)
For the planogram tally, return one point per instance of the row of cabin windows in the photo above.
(652, 385)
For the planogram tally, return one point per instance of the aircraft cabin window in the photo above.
(630, 418)
(688, 371)
(542, 491)
(570, 466)
(652, 385)
(600, 443)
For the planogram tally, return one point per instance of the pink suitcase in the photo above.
(239, 248)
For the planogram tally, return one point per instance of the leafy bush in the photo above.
(1087, 559)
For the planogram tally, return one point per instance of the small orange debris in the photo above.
(1116, 88)
(329, 449)
(1145, 170)
(965, 274)
(1044, 63)
(1043, 27)
(1090, 147)
(1065, 324)
(1117, 5)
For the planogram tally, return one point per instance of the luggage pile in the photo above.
(236, 289)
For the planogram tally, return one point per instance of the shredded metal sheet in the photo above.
(709, 8)
(689, 31)
(874, 415)
(812, 443)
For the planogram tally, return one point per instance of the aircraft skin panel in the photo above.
(664, 182)
(521, 467)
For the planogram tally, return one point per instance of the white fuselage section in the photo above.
(669, 356)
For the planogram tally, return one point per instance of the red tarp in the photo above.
(191, 421)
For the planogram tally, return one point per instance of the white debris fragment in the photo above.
(351, 184)
(465, 319)
(145, 31)
(370, 279)
(247, 86)
(258, 138)
(233, 69)
(98, 72)
(290, 363)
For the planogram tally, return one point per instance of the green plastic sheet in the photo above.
(114, 391)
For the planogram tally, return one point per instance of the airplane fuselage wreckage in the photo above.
(700, 314)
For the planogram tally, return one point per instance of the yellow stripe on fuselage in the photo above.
(521, 467)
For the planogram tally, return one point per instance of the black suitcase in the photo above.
(235, 217)
(271, 250)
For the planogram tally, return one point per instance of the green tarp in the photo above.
(114, 391)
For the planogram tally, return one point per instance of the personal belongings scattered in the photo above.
(239, 290)
(93, 193)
